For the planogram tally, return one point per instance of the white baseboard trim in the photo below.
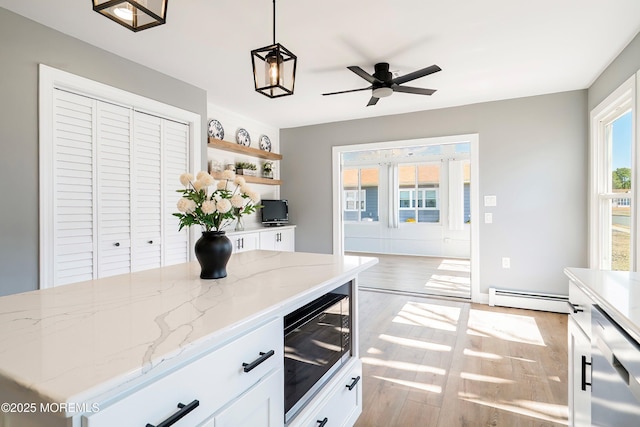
(528, 300)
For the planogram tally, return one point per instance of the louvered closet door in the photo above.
(175, 162)
(114, 195)
(73, 175)
(147, 194)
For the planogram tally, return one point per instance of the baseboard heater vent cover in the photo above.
(528, 300)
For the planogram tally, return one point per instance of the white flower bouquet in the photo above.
(214, 209)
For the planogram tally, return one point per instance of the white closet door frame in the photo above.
(51, 78)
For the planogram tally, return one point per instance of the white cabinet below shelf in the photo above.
(278, 240)
(269, 239)
(245, 242)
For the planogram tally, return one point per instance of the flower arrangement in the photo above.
(213, 210)
(267, 169)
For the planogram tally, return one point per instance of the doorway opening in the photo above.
(410, 203)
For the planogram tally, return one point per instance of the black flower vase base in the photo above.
(213, 251)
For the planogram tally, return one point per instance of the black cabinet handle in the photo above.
(242, 242)
(150, 242)
(353, 383)
(323, 422)
(116, 244)
(575, 308)
(263, 356)
(584, 373)
(184, 410)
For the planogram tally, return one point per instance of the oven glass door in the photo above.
(316, 339)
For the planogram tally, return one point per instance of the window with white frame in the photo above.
(354, 201)
(613, 230)
(419, 192)
(360, 194)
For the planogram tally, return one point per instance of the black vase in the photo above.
(213, 250)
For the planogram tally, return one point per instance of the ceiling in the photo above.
(488, 50)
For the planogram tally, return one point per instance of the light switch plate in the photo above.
(490, 200)
(488, 218)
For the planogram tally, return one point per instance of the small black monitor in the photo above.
(274, 212)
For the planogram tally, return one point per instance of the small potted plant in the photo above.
(246, 168)
(267, 170)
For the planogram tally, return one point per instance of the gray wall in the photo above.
(533, 157)
(23, 45)
(626, 64)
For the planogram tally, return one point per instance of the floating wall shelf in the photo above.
(241, 149)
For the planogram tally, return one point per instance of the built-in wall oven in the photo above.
(317, 342)
(615, 381)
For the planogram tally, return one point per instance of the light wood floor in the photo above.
(430, 362)
(419, 274)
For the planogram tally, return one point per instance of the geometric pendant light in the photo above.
(274, 67)
(136, 15)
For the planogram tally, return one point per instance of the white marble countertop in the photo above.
(617, 292)
(79, 342)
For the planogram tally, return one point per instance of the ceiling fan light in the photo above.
(135, 15)
(382, 92)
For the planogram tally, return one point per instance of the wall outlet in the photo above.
(506, 262)
(488, 218)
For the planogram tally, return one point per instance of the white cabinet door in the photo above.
(113, 160)
(579, 376)
(261, 406)
(278, 240)
(147, 213)
(245, 242)
(72, 177)
(175, 162)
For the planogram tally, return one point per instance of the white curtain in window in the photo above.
(456, 195)
(394, 203)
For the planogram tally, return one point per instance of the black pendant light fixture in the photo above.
(136, 15)
(274, 67)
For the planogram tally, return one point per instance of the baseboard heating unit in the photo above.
(528, 300)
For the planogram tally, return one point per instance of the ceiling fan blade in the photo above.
(347, 91)
(372, 101)
(415, 90)
(417, 74)
(362, 73)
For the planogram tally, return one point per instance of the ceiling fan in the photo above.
(383, 83)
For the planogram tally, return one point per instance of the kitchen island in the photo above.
(113, 351)
(603, 347)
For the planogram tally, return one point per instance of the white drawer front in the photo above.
(213, 380)
(581, 307)
(343, 403)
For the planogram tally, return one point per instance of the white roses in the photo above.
(214, 210)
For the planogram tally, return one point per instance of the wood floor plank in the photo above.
(443, 363)
(419, 274)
